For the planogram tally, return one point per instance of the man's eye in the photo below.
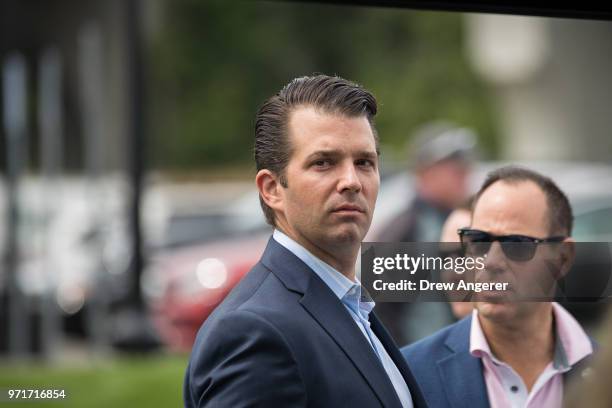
(365, 163)
(322, 163)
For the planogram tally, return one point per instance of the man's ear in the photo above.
(270, 189)
(568, 254)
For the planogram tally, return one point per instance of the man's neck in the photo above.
(343, 259)
(527, 345)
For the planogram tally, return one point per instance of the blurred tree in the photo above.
(215, 62)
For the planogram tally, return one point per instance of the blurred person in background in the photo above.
(459, 218)
(298, 330)
(442, 156)
(517, 353)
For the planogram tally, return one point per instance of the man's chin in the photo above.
(495, 309)
(348, 233)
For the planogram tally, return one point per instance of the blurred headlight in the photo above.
(211, 273)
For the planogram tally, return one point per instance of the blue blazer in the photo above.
(448, 375)
(283, 339)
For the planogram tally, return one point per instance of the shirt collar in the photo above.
(571, 335)
(571, 342)
(350, 293)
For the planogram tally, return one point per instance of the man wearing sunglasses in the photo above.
(514, 350)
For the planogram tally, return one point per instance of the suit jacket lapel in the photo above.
(461, 373)
(387, 341)
(329, 312)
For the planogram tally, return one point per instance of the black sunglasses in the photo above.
(516, 247)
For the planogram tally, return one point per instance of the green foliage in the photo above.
(215, 62)
(130, 382)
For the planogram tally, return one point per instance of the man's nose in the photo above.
(495, 260)
(349, 179)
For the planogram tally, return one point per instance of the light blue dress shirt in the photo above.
(358, 306)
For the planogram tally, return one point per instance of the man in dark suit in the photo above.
(509, 352)
(297, 330)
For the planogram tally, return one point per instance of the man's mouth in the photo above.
(496, 296)
(349, 209)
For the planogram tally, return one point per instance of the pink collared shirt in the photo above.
(506, 388)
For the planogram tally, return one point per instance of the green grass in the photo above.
(121, 382)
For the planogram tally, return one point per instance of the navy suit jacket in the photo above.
(283, 339)
(447, 373)
(449, 376)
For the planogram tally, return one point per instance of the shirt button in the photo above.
(514, 388)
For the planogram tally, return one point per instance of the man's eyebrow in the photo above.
(323, 154)
(367, 154)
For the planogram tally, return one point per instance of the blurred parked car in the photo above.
(185, 285)
(202, 257)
